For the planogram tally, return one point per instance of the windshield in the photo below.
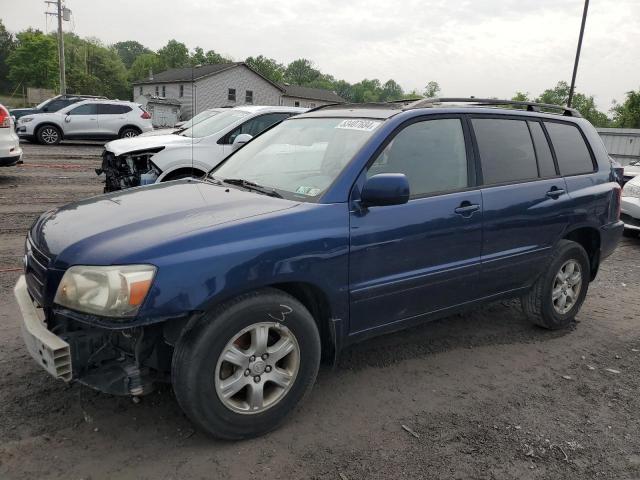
(199, 118)
(300, 157)
(214, 124)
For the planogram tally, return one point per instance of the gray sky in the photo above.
(471, 47)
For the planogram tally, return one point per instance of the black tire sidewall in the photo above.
(128, 129)
(567, 251)
(194, 369)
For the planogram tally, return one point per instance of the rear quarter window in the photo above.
(506, 150)
(572, 152)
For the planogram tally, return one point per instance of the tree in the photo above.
(267, 67)
(145, 64)
(301, 72)
(627, 114)
(391, 90)
(432, 89)
(34, 61)
(7, 45)
(367, 91)
(521, 97)
(559, 95)
(129, 50)
(174, 54)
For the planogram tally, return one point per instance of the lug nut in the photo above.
(247, 372)
(252, 358)
(267, 368)
(265, 356)
(256, 378)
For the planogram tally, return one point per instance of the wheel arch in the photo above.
(123, 128)
(48, 123)
(175, 172)
(589, 238)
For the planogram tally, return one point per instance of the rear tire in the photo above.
(557, 296)
(49, 135)
(129, 132)
(218, 385)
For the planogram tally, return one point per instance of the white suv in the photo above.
(187, 153)
(89, 119)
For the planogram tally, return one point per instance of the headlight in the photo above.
(631, 189)
(24, 120)
(115, 291)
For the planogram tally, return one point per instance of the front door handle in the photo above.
(555, 192)
(466, 208)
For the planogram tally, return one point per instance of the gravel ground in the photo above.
(483, 395)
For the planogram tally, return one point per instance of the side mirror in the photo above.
(241, 140)
(67, 118)
(385, 189)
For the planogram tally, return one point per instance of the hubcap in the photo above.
(566, 286)
(49, 135)
(130, 133)
(257, 368)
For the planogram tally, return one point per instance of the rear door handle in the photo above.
(466, 208)
(555, 192)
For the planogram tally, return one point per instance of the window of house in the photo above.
(506, 150)
(431, 154)
(231, 95)
(572, 153)
(181, 91)
(139, 90)
(157, 91)
(296, 104)
(164, 91)
(248, 96)
(543, 152)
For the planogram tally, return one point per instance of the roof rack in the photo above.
(530, 106)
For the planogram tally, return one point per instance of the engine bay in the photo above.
(128, 170)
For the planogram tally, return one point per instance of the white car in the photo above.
(87, 120)
(187, 153)
(632, 170)
(209, 112)
(630, 208)
(10, 151)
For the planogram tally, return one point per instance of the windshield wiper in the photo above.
(252, 186)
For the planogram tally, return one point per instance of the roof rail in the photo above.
(530, 106)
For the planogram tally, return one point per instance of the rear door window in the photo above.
(86, 109)
(571, 150)
(543, 152)
(112, 109)
(506, 150)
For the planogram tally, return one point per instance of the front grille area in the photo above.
(36, 271)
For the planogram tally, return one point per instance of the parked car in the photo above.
(10, 151)
(87, 120)
(631, 206)
(52, 105)
(191, 152)
(334, 226)
(632, 170)
(209, 112)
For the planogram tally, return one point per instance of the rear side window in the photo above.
(506, 150)
(543, 152)
(571, 150)
(111, 109)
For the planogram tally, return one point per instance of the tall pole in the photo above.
(63, 83)
(575, 64)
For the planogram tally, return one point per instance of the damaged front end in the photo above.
(128, 170)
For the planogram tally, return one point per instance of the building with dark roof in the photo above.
(226, 85)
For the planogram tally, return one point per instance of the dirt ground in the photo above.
(486, 395)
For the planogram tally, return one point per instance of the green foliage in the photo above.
(267, 67)
(521, 97)
(175, 54)
(7, 45)
(129, 50)
(627, 114)
(145, 64)
(432, 90)
(301, 72)
(199, 57)
(559, 95)
(34, 61)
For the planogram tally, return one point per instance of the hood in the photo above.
(144, 142)
(631, 170)
(106, 228)
(160, 131)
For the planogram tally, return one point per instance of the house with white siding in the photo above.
(225, 85)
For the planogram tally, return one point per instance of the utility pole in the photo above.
(62, 14)
(575, 65)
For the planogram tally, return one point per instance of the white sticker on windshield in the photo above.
(310, 191)
(359, 124)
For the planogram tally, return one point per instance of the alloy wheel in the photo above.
(566, 286)
(49, 135)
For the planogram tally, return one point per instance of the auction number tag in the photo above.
(359, 124)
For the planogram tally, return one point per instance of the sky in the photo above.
(485, 48)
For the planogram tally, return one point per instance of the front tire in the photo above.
(241, 369)
(557, 296)
(49, 135)
(129, 132)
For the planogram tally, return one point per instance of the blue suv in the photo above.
(336, 225)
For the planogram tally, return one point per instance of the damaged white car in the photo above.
(189, 152)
